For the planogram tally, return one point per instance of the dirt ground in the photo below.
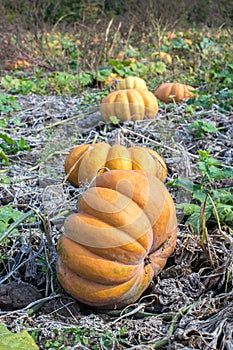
(188, 306)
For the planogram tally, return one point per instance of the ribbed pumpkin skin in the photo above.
(120, 238)
(169, 92)
(90, 158)
(132, 83)
(129, 104)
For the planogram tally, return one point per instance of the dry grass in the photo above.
(188, 306)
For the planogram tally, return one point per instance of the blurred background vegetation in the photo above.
(87, 40)
(40, 15)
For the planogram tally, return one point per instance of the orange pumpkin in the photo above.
(170, 92)
(131, 83)
(162, 55)
(129, 104)
(112, 80)
(84, 161)
(121, 237)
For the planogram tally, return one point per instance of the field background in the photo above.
(58, 59)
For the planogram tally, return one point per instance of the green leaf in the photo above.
(195, 220)
(189, 208)
(186, 184)
(200, 195)
(200, 128)
(3, 226)
(222, 196)
(16, 121)
(8, 104)
(205, 156)
(208, 127)
(120, 71)
(19, 341)
(114, 63)
(225, 213)
(219, 174)
(103, 74)
(16, 222)
(11, 146)
(114, 120)
(4, 179)
(7, 139)
(139, 68)
(7, 214)
(4, 157)
(22, 144)
(2, 124)
(158, 67)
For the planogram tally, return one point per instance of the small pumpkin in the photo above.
(112, 80)
(122, 235)
(83, 161)
(129, 104)
(169, 92)
(131, 83)
(18, 64)
(163, 56)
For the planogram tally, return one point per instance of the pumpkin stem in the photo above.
(99, 171)
(147, 260)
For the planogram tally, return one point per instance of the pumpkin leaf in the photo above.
(103, 74)
(19, 341)
(200, 195)
(114, 120)
(200, 128)
(195, 219)
(10, 219)
(219, 174)
(158, 67)
(85, 78)
(225, 213)
(189, 208)
(185, 184)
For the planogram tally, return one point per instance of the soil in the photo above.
(188, 306)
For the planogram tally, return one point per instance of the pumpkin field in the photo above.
(116, 180)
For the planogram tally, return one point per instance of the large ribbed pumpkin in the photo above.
(132, 83)
(121, 237)
(129, 104)
(84, 161)
(173, 92)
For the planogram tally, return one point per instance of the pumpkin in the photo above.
(120, 238)
(131, 83)
(19, 64)
(169, 92)
(129, 104)
(112, 80)
(162, 55)
(83, 161)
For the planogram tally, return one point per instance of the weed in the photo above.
(4, 180)
(8, 215)
(114, 120)
(8, 104)
(88, 338)
(22, 340)
(9, 146)
(200, 128)
(205, 193)
(223, 100)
